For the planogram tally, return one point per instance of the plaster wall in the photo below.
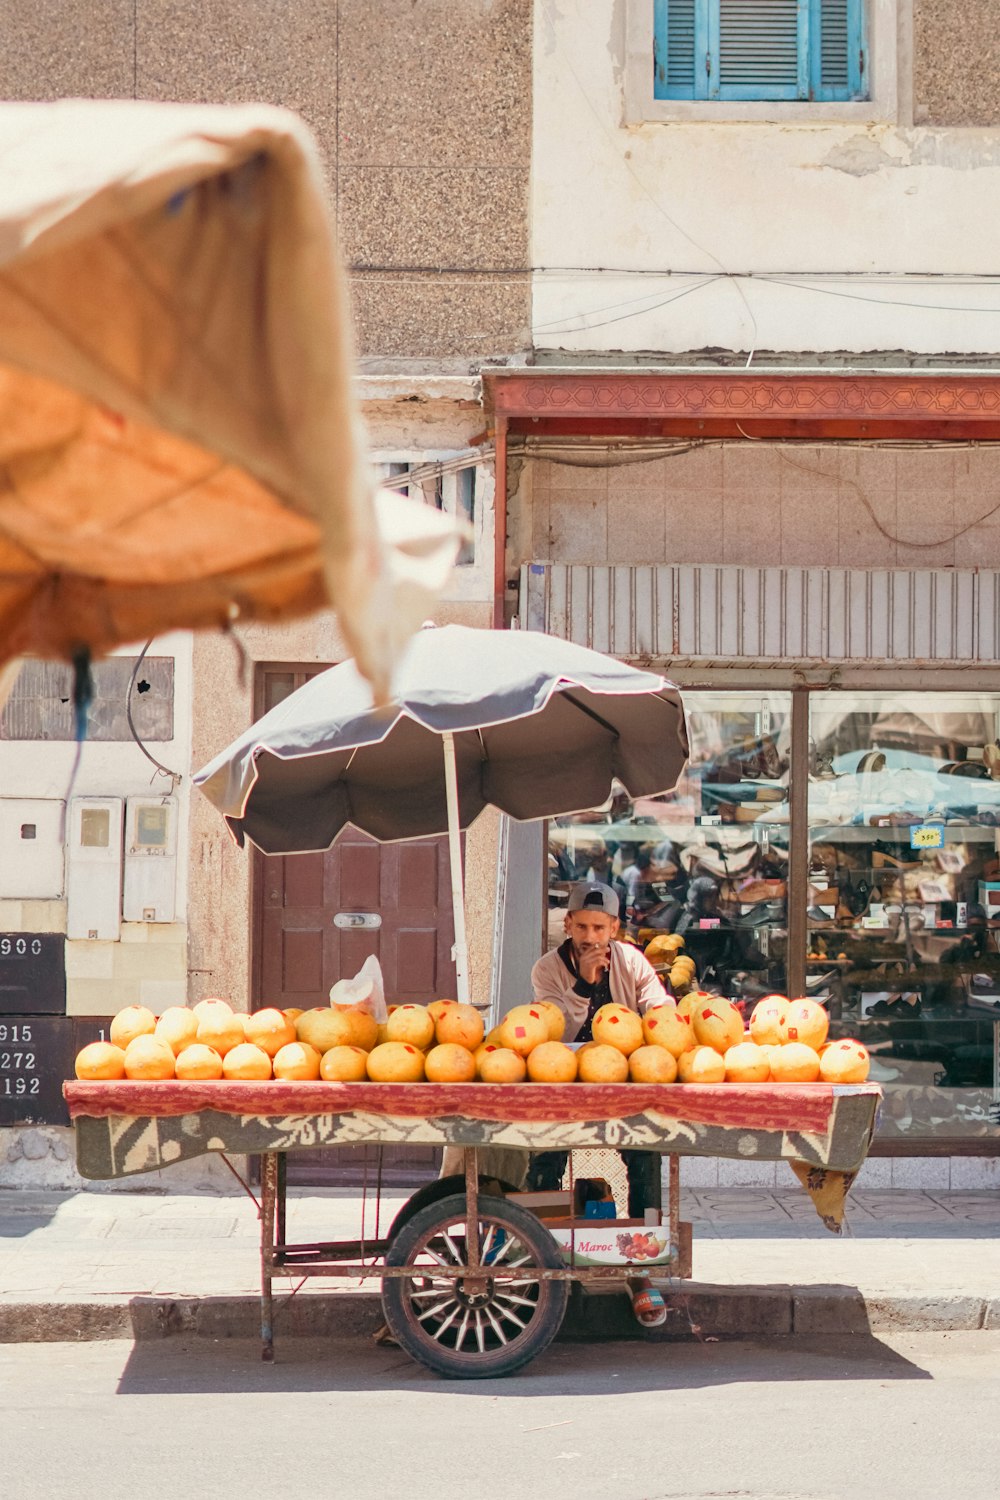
(799, 504)
(873, 234)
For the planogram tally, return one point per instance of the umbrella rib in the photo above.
(568, 697)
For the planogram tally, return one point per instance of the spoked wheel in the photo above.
(483, 1324)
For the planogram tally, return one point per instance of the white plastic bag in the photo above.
(366, 990)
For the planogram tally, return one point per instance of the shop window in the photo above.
(447, 484)
(806, 50)
(40, 706)
(708, 861)
(904, 897)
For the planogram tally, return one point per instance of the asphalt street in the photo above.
(805, 1419)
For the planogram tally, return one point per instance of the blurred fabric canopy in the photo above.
(179, 442)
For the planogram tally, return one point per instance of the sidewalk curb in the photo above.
(698, 1311)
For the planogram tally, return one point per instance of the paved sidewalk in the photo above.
(99, 1264)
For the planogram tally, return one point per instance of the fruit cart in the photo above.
(473, 1283)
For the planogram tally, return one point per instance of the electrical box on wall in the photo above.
(94, 868)
(150, 859)
(32, 867)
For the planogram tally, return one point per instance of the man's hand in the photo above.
(594, 960)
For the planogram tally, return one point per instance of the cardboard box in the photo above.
(612, 1242)
(989, 896)
(552, 1203)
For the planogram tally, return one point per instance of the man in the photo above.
(590, 969)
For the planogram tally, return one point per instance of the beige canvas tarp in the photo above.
(179, 445)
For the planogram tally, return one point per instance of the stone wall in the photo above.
(956, 63)
(422, 112)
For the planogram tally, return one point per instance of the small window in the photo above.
(759, 49)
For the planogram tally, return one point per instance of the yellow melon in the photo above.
(270, 1030)
(147, 1058)
(804, 1021)
(178, 1027)
(461, 1026)
(208, 1001)
(701, 1065)
(133, 1021)
(652, 1064)
(555, 1017)
(493, 1037)
(397, 1062)
(501, 1065)
(844, 1061)
(552, 1062)
(246, 1063)
(663, 948)
(411, 1024)
(766, 1018)
(344, 1065)
(794, 1062)
(747, 1063)
(198, 1063)
(524, 1028)
(218, 1027)
(296, 1062)
(617, 1026)
(717, 1023)
(668, 1026)
(292, 1013)
(483, 1049)
(449, 1062)
(381, 1033)
(100, 1060)
(687, 1003)
(437, 1008)
(600, 1063)
(327, 1026)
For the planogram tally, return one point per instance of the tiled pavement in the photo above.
(97, 1246)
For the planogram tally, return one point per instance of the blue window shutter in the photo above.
(838, 65)
(759, 49)
(674, 49)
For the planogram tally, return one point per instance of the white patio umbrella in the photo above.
(517, 720)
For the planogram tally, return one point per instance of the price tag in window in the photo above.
(927, 836)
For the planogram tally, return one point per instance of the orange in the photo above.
(344, 1065)
(100, 1060)
(804, 1021)
(437, 1008)
(270, 1030)
(766, 1018)
(218, 1027)
(397, 1062)
(450, 1063)
(555, 1017)
(717, 1023)
(747, 1063)
(794, 1062)
(297, 1062)
(246, 1063)
(552, 1062)
(652, 1064)
(502, 1066)
(178, 1027)
(524, 1028)
(412, 1024)
(146, 1058)
(845, 1061)
(198, 1063)
(601, 1064)
(617, 1026)
(701, 1065)
(461, 1025)
(133, 1021)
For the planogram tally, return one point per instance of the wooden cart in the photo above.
(473, 1284)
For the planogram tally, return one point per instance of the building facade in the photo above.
(690, 311)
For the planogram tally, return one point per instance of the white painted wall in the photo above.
(694, 198)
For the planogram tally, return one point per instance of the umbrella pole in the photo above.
(461, 949)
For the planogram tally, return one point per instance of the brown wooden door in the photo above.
(300, 949)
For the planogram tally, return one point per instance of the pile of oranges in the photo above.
(699, 1039)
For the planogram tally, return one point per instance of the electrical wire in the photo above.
(175, 777)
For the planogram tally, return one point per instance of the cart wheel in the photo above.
(431, 1192)
(480, 1326)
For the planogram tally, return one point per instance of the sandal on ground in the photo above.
(649, 1308)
